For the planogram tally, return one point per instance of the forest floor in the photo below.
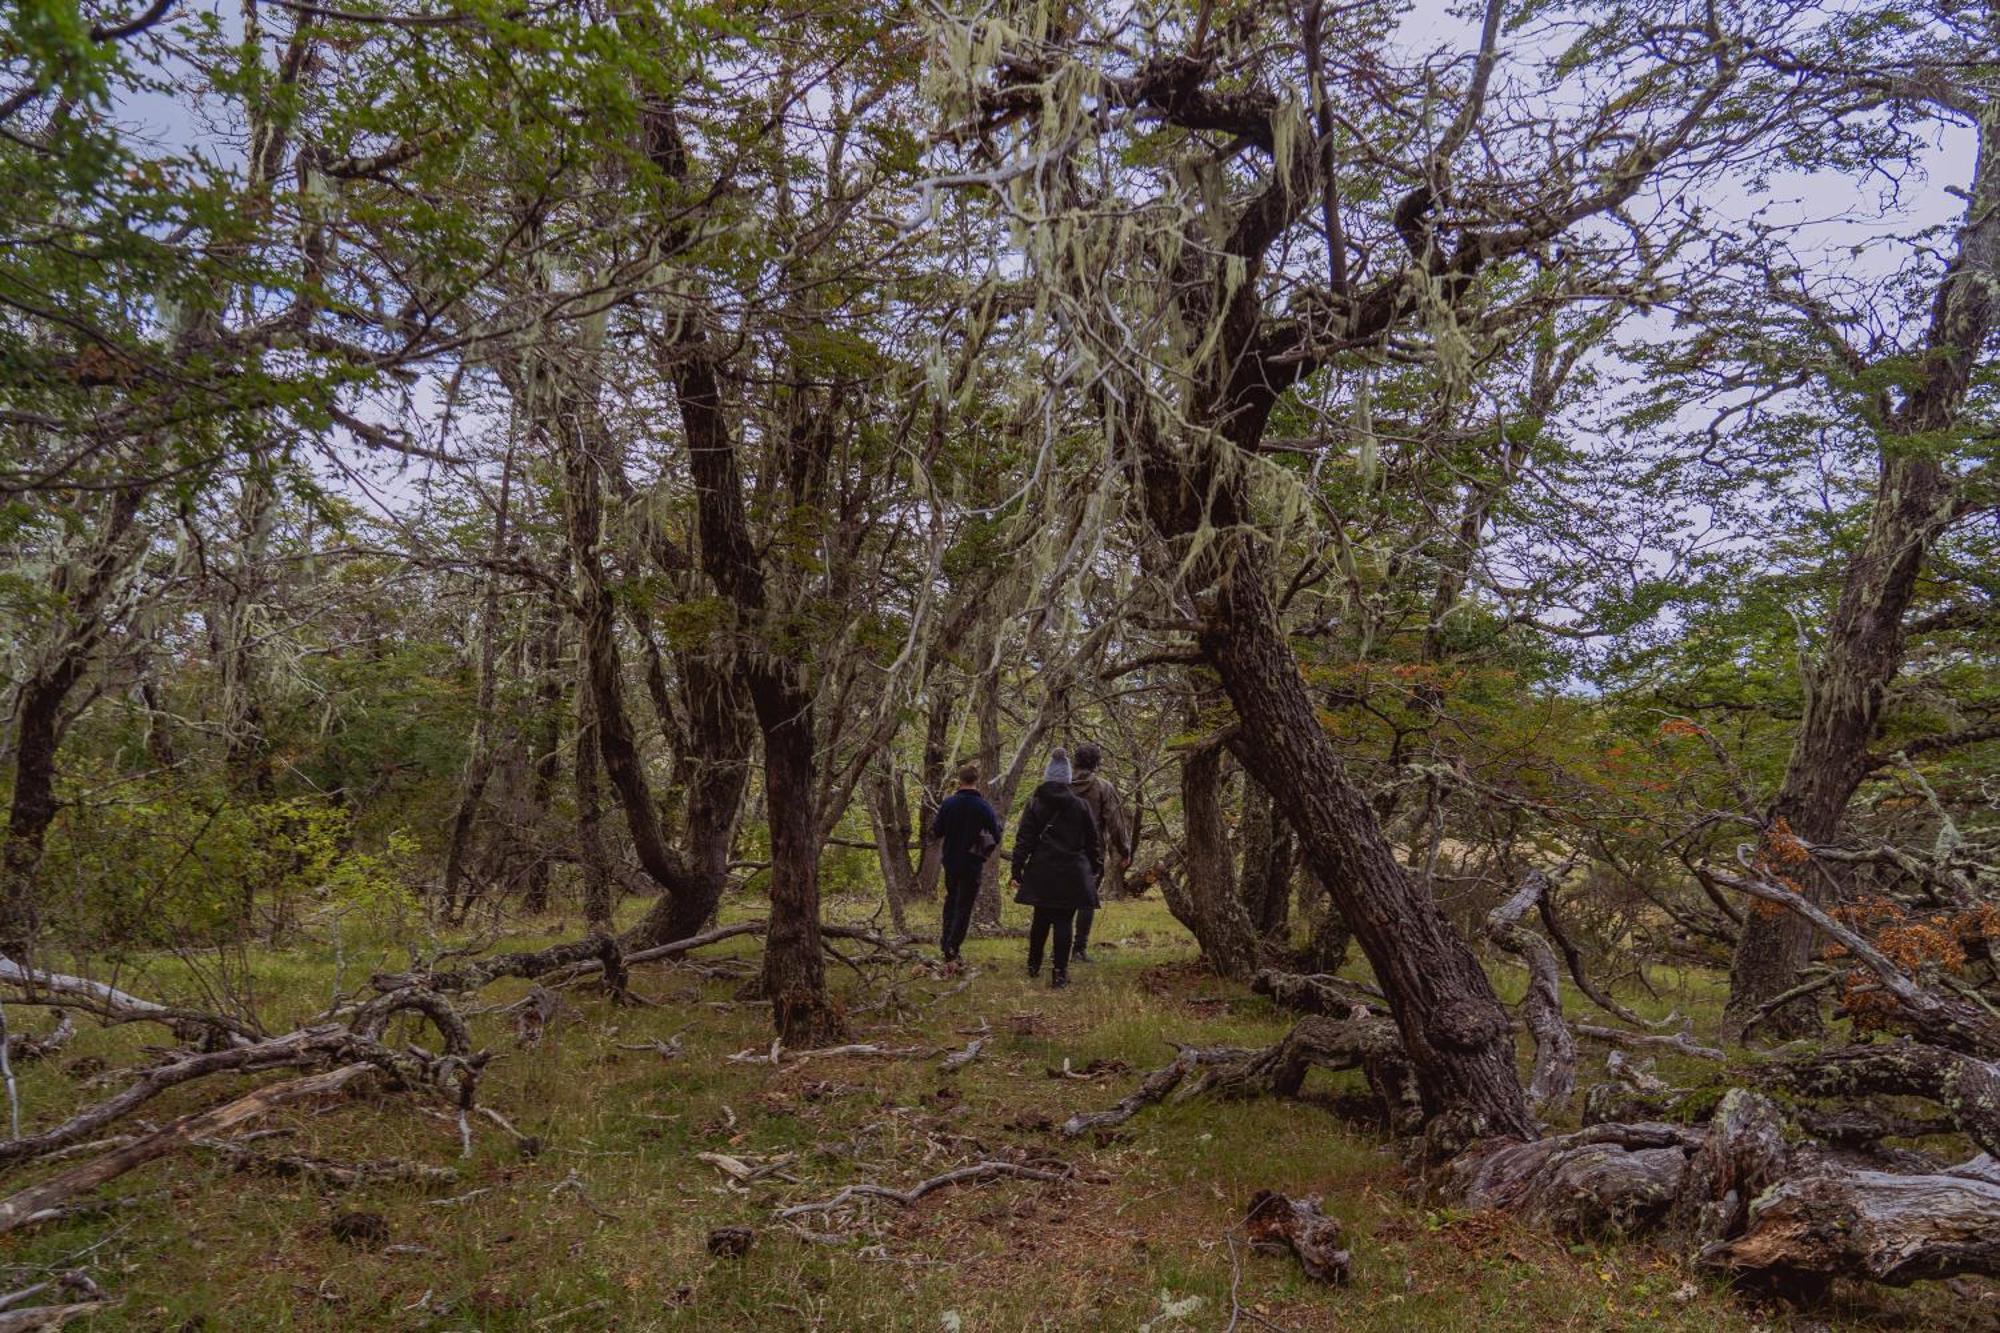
(607, 1226)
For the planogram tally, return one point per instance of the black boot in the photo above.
(1080, 954)
(1058, 979)
(1034, 970)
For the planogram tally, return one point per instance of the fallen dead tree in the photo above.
(1361, 1041)
(46, 1198)
(35, 986)
(594, 955)
(1888, 1228)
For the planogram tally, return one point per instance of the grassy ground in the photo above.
(606, 1227)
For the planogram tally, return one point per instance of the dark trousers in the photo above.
(961, 890)
(1084, 916)
(1063, 921)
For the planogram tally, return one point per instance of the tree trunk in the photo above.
(38, 712)
(479, 762)
(937, 727)
(596, 861)
(550, 689)
(1459, 1039)
(1267, 856)
(794, 976)
(889, 816)
(1916, 500)
(1204, 898)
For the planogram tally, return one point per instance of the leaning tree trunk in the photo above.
(1916, 500)
(1460, 1041)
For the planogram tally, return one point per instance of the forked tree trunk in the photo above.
(1267, 855)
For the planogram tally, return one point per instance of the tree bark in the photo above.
(1204, 898)
(1460, 1042)
(1267, 854)
(479, 763)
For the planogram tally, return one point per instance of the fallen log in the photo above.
(1888, 1228)
(1152, 1088)
(42, 1317)
(1607, 1180)
(1317, 992)
(1968, 1088)
(29, 1205)
(305, 1045)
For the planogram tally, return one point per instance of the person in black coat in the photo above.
(1058, 858)
(969, 830)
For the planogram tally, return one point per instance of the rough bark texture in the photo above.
(1968, 1088)
(1267, 854)
(1204, 898)
(1459, 1040)
(1607, 1180)
(1870, 1224)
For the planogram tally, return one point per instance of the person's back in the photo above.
(1114, 832)
(960, 820)
(968, 828)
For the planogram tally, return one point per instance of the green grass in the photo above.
(623, 1246)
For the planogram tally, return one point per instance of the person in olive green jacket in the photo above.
(1114, 831)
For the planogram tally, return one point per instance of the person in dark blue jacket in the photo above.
(970, 830)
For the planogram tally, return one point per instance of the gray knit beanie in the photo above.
(1058, 769)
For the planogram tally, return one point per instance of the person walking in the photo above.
(1114, 831)
(969, 829)
(1058, 858)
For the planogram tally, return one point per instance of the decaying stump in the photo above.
(1277, 1224)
